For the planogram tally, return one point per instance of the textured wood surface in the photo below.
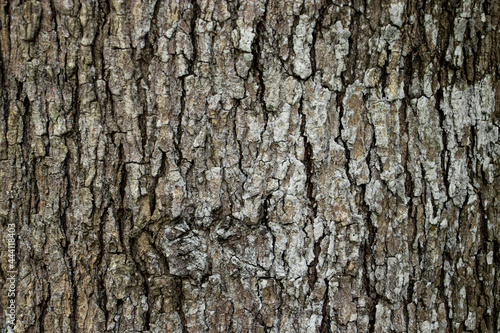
(249, 166)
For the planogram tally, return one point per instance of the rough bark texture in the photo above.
(225, 166)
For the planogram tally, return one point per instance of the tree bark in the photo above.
(250, 166)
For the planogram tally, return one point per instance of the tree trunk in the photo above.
(225, 166)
